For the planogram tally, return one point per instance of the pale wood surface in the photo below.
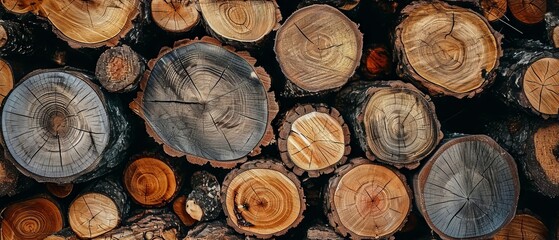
(175, 15)
(31, 219)
(93, 214)
(6, 79)
(541, 85)
(494, 10)
(150, 181)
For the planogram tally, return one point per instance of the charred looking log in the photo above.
(203, 202)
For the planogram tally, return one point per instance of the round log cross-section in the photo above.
(528, 12)
(447, 49)
(6, 79)
(175, 15)
(207, 102)
(524, 226)
(263, 199)
(468, 189)
(32, 219)
(151, 182)
(541, 85)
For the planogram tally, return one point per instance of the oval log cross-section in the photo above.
(448, 50)
(468, 189)
(55, 125)
(151, 182)
(207, 102)
(262, 199)
(31, 219)
(175, 16)
(524, 226)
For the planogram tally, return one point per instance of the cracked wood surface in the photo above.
(35, 218)
(541, 85)
(175, 15)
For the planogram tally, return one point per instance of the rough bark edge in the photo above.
(354, 111)
(329, 208)
(238, 43)
(262, 164)
(285, 128)
(403, 66)
(119, 136)
(165, 224)
(273, 108)
(291, 89)
(420, 178)
(103, 63)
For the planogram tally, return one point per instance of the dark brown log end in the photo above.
(120, 69)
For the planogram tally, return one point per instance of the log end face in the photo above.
(36, 218)
(150, 181)
(93, 214)
(540, 85)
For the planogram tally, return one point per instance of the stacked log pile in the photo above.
(265, 119)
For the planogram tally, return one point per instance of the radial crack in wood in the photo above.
(494, 10)
(524, 226)
(528, 12)
(151, 182)
(31, 219)
(175, 15)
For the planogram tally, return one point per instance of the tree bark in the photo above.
(345, 5)
(152, 181)
(525, 225)
(119, 69)
(212, 230)
(203, 202)
(468, 189)
(175, 16)
(263, 199)
(552, 28)
(383, 115)
(363, 205)
(318, 49)
(17, 39)
(313, 138)
(322, 231)
(64, 234)
(86, 128)
(215, 108)
(99, 209)
(34, 218)
(147, 224)
(433, 44)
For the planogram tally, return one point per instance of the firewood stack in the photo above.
(265, 119)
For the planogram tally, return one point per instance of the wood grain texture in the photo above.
(120, 69)
(541, 85)
(524, 226)
(262, 199)
(552, 28)
(313, 138)
(6, 79)
(59, 190)
(469, 188)
(175, 15)
(493, 10)
(156, 224)
(367, 201)
(207, 102)
(151, 182)
(31, 219)
(446, 49)
(318, 48)
(528, 12)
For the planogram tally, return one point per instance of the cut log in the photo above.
(120, 69)
(321, 232)
(493, 10)
(154, 224)
(524, 226)
(6, 79)
(32, 219)
(60, 190)
(528, 12)
(211, 231)
(64, 234)
(318, 49)
(468, 189)
(179, 208)
(262, 199)
(535, 143)
(376, 62)
(240, 23)
(313, 138)
(203, 202)
(346, 5)
(152, 182)
(66, 131)
(175, 16)
(83, 23)
(16, 39)
(101, 208)
(448, 50)
(552, 27)
(531, 80)
(365, 200)
(391, 120)
(207, 102)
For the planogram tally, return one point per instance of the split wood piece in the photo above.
(16, 39)
(535, 143)
(391, 120)
(147, 224)
(446, 49)
(6, 79)
(263, 199)
(213, 230)
(119, 69)
(365, 200)
(175, 16)
(151, 182)
(83, 23)
(531, 80)
(528, 12)
(70, 132)
(31, 219)
(99, 209)
(493, 10)
(468, 189)
(240, 23)
(552, 27)
(60, 190)
(64, 234)
(318, 49)
(524, 226)
(203, 202)
(321, 232)
(179, 208)
(345, 5)
(207, 102)
(313, 138)
(377, 61)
